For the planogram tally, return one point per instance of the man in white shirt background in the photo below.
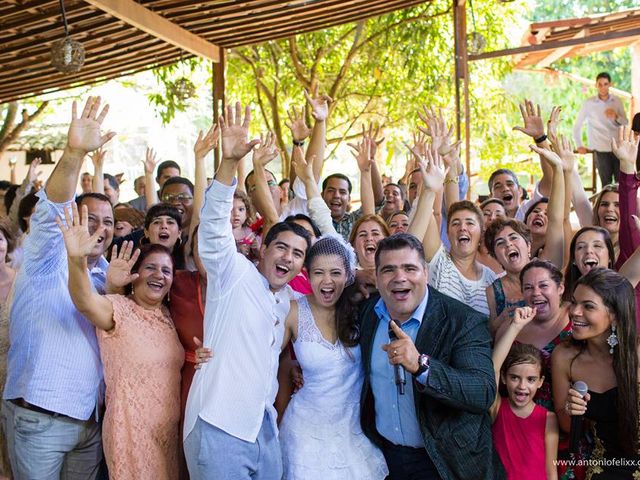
(604, 113)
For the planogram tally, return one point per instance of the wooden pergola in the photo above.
(122, 37)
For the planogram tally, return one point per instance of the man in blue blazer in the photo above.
(440, 427)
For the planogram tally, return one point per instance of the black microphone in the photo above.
(399, 373)
(576, 420)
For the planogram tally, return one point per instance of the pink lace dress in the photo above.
(142, 359)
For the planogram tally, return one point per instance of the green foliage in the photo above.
(167, 102)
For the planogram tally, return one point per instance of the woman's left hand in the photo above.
(119, 274)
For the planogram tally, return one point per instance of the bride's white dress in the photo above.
(320, 432)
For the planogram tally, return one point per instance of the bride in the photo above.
(320, 432)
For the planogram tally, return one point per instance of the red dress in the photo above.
(187, 313)
(520, 442)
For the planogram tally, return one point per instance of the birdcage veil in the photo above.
(335, 245)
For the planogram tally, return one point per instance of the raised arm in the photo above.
(216, 244)
(300, 131)
(521, 317)
(625, 148)
(97, 158)
(79, 244)
(150, 161)
(534, 128)
(24, 189)
(577, 130)
(204, 144)
(554, 239)
(262, 155)
(433, 175)
(318, 209)
(362, 153)
(318, 141)
(84, 136)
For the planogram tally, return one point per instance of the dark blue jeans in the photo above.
(407, 463)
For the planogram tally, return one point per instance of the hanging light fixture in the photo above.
(67, 55)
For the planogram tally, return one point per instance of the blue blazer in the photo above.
(453, 407)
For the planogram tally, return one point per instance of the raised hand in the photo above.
(235, 133)
(34, 173)
(303, 169)
(372, 133)
(150, 161)
(75, 231)
(300, 131)
(564, 147)
(205, 143)
(84, 132)
(319, 105)
(533, 125)
(362, 153)
(523, 316)
(267, 150)
(552, 157)
(552, 124)
(433, 171)
(119, 274)
(625, 147)
(98, 158)
(419, 150)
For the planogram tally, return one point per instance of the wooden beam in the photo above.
(158, 26)
(635, 32)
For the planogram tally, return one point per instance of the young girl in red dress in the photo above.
(525, 434)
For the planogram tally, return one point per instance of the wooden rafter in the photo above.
(158, 26)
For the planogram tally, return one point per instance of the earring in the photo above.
(612, 340)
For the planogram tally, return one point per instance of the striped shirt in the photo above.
(244, 327)
(54, 361)
(446, 278)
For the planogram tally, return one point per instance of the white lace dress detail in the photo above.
(320, 433)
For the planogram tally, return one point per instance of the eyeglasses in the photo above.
(270, 184)
(180, 197)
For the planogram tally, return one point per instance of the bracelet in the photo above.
(298, 143)
(451, 180)
(541, 139)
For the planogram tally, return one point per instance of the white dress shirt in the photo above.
(600, 129)
(243, 326)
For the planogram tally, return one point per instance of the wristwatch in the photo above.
(423, 364)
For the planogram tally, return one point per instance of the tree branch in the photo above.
(298, 66)
(26, 120)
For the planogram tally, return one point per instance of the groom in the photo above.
(440, 428)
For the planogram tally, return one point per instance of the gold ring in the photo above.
(395, 352)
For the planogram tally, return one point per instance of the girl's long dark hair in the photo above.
(619, 297)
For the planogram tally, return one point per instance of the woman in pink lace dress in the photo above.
(140, 352)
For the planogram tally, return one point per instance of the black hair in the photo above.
(554, 272)
(501, 171)
(303, 217)
(10, 196)
(98, 196)
(25, 208)
(336, 175)
(167, 164)
(5, 184)
(572, 272)
(5, 229)
(177, 180)
(619, 299)
(533, 206)
(146, 250)
(162, 209)
(280, 227)
(604, 75)
(284, 180)
(391, 184)
(398, 241)
(112, 181)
